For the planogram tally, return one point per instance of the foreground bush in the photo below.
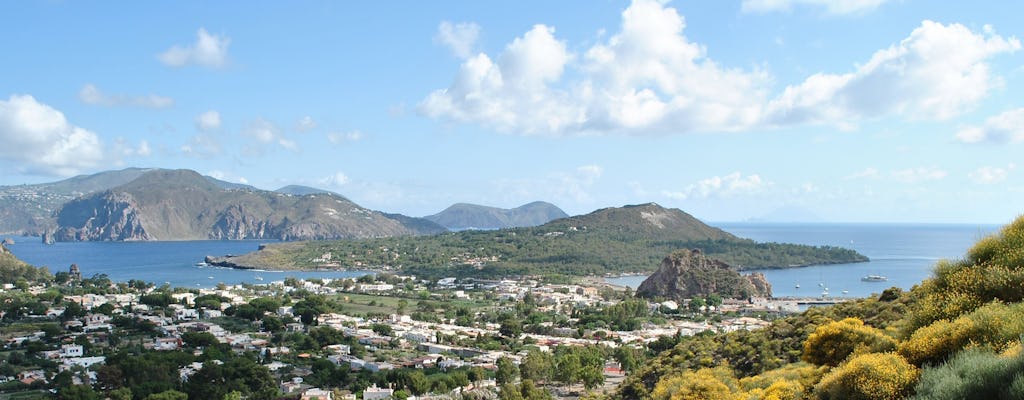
(878, 376)
(974, 373)
(995, 326)
(832, 343)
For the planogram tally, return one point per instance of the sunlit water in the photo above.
(905, 254)
(157, 262)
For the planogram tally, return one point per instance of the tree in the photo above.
(536, 367)
(870, 376)
(507, 371)
(168, 395)
(78, 392)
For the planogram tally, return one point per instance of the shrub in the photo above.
(995, 326)
(803, 373)
(974, 373)
(704, 384)
(878, 376)
(832, 343)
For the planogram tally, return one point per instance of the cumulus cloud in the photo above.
(1000, 129)
(650, 78)
(208, 121)
(459, 38)
(989, 175)
(938, 72)
(919, 174)
(344, 137)
(40, 139)
(265, 133)
(305, 124)
(90, 94)
(731, 185)
(125, 149)
(336, 179)
(833, 7)
(209, 51)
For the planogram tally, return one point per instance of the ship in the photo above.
(874, 278)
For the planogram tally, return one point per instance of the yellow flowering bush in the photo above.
(704, 384)
(876, 376)
(996, 326)
(832, 343)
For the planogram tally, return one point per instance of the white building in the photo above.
(375, 393)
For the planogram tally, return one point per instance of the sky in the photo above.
(733, 110)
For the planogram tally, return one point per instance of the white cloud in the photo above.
(1005, 127)
(125, 149)
(39, 138)
(938, 72)
(342, 137)
(731, 185)
(990, 175)
(335, 180)
(833, 7)
(919, 174)
(650, 78)
(459, 38)
(90, 94)
(266, 133)
(210, 51)
(208, 121)
(305, 124)
(867, 173)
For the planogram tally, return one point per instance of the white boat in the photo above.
(202, 264)
(258, 277)
(797, 286)
(874, 278)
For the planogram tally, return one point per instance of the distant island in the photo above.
(613, 240)
(463, 216)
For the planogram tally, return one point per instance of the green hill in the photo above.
(611, 240)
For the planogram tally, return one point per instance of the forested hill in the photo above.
(610, 240)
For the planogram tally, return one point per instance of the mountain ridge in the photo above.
(461, 216)
(184, 205)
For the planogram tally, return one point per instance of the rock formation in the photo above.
(686, 274)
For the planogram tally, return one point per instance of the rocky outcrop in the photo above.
(183, 205)
(686, 274)
(108, 216)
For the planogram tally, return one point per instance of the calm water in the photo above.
(157, 262)
(903, 253)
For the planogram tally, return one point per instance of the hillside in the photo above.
(956, 335)
(183, 205)
(606, 241)
(31, 209)
(471, 216)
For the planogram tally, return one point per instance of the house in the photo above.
(375, 393)
(71, 350)
(317, 394)
(84, 362)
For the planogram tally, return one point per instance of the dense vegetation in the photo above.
(606, 241)
(13, 270)
(957, 335)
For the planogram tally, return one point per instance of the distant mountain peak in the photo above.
(460, 216)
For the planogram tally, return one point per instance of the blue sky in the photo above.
(843, 110)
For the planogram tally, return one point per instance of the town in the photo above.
(373, 337)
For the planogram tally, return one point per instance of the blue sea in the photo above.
(157, 262)
(903, 253)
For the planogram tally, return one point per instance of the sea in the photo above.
(159, 262)
(904, 253)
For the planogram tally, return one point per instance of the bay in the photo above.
(159, 262)
(904, 253)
